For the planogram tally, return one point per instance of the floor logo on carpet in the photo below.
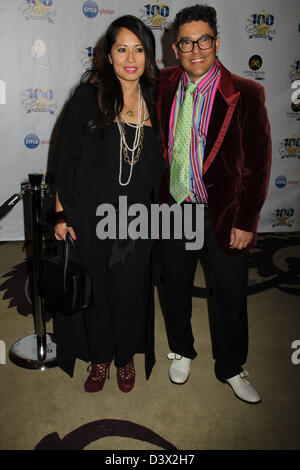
(272, 263)
(90, 432)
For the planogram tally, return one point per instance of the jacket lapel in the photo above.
(98, 147)
(225, 102)
(93, 135)
(164, 107)
(224, 105)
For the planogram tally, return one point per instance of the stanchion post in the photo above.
(35, 351)
(35, 181)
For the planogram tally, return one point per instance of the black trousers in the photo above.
(228, 322)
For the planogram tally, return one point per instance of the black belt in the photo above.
(205, 204)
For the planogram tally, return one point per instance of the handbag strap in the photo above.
(68, 243)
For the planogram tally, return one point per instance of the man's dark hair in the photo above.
(195, 13)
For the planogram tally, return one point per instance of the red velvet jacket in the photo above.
(237, 156)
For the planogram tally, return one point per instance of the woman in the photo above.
(109, 148)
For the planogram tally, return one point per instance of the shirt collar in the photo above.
(202, 81)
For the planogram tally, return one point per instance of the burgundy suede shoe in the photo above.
(126, 377)
(97, 377)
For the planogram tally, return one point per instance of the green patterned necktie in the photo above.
(180, 164)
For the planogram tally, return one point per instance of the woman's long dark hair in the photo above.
(110, 96)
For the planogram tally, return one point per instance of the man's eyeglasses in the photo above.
(187, 45)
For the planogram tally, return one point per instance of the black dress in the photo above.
(121, 319)
(118, 327)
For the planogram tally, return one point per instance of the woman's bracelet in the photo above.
(60, 217)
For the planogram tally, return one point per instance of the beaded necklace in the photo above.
(137, 142)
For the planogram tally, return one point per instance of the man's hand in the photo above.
(239, 238)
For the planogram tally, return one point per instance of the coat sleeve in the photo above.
(69, 150)
(256, 163)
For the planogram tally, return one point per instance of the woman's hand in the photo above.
(61, 229)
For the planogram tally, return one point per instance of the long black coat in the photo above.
(79, 178)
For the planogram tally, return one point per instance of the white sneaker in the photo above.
(243, 389)
(179, 369)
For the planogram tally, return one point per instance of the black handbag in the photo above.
(63, 284)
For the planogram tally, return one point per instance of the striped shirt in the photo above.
(203, 102)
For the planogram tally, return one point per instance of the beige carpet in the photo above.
(202, 414)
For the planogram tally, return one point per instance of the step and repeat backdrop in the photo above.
(46, 45)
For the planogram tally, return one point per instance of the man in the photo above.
(216, 143)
